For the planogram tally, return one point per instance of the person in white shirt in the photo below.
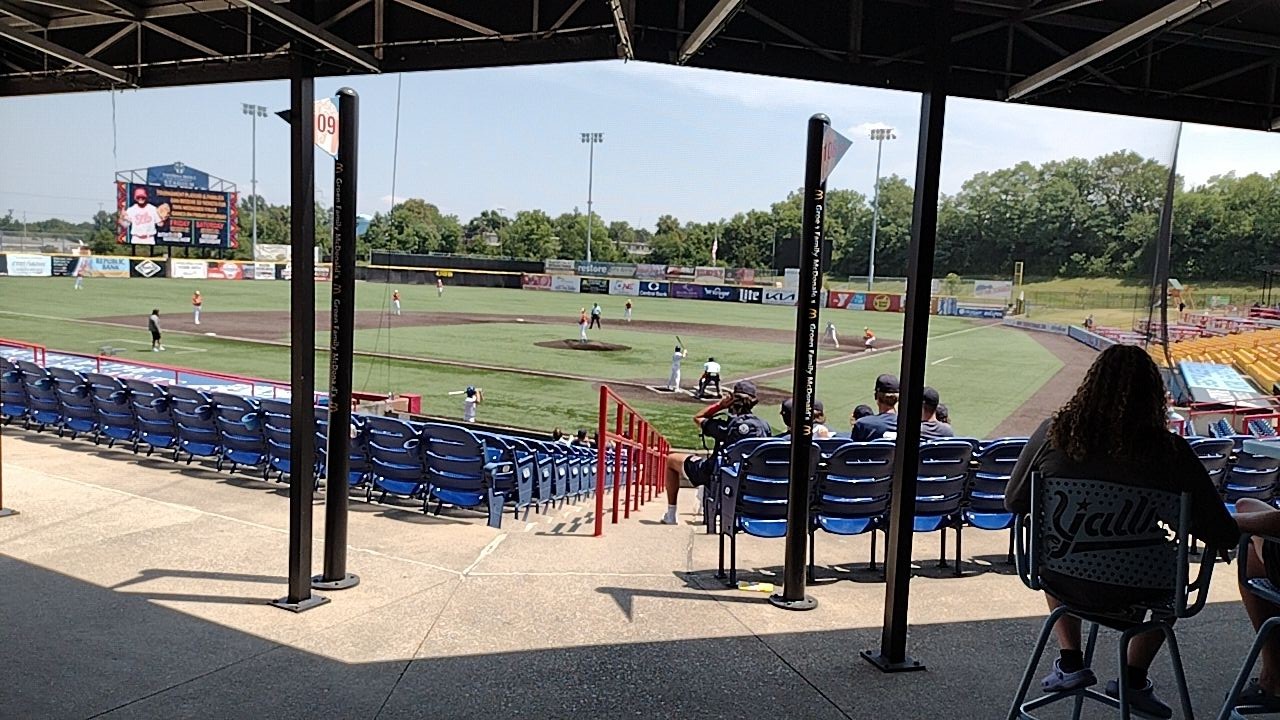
(143, 218)
(673, 382)
(710, 376)
(473, 398)
(831, 334)
(439, 287)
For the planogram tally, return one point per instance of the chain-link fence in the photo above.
(36, 242)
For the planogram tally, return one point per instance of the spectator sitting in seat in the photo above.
(581, 439)
(860, 412)
(820, 429)
(1113, 429)
(1262, 561)
(885, 424)
(943, 414)
(739, 424)
(931, 427)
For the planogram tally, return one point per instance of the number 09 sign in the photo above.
(326, 126)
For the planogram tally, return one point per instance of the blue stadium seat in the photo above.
(731, 456)
(239, 422)
(755, 497)
(512, 474)
(153, 409)
(277, 429)
(116, 421)
(456, 460)
(851, 495)
(1215, 456)
(397, 466)
(1252, 476)
(1261, 428)
(197, 429)
(941, 477)
(43, 408)
(984, 502)
(13, 396)
(79, 417)
(357, 457)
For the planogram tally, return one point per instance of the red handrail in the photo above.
(642, 447)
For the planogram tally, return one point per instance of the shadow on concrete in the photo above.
(70, 649)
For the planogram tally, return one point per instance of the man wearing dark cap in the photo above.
(738, 423)
(930, 426)
(885, 423)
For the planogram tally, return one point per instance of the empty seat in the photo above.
(851, 496)
(984, 504)
(241, 439)
(193, 415)
(79, 417)
(755, 497)
(941, 478)
(153, 410)
(114, 410)
(456, 460)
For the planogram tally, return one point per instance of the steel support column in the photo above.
(341, 347)
(302, 327)
(892, 655)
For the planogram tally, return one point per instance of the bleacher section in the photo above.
(431, 463)
(1255, 354)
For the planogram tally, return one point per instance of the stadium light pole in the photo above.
(590, 138)
(879, 134)
(254, 112)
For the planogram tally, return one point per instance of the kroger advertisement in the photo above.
(156, 215)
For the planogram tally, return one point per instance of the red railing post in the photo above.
(626, 448)
(617, 456)
(600, 460)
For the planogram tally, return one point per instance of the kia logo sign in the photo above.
(779, 297)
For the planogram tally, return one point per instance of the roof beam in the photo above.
(26, 16)
(1026, 30)
(181, 39)
(448, 17)
(333, 20)
(1174, 13)
(85, 7)
(791, 34)
(314, 32)
(707, 29)
(125, 6)
(625, 49)
(36, 42)
(1061, 7)
(116, 37)
(1226, 75)
(564, 18)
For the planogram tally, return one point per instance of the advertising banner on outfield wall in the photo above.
(145, 268)
(648, 271)
(188, 269)
(776, 296)
(531, 281)
(225, 271)
(1002, 289)
(112, 267)
(654, 289)
(4, 264)
(554, 266)
(840, 299)
(748, 295)
(686, 291)
(717, 292)
(264, 271)
(681, 271)
(30, 265)
(709, 274)
(742, 276)
(1055, 328)
(624, 287)
(980, 311)
(65, 265)
(565, 283)
(269, 252)
(323, 273)
(883, 302)
(595, 286)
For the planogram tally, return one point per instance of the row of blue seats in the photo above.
(436, 462)
(959, 483)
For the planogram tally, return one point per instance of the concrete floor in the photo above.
(137, 588)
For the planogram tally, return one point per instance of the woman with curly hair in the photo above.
(1114, 429)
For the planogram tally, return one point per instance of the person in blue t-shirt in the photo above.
(885, 424)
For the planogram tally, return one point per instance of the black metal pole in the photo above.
(341, 347)
(302, 329)
(804, 376)
(892, 655)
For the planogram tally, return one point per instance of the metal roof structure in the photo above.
(1208, 61)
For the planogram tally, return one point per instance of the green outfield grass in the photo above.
(983, 374)
(990, 372)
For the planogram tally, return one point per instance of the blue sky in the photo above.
(695, 143)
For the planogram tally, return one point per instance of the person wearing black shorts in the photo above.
(740, 423)
(153, 324)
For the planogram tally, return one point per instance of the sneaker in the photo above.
(162, 348)
(1143, 700)
(669, 518)
(1060, 681)
(155, 349)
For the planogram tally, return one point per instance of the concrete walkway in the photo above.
(137, 588)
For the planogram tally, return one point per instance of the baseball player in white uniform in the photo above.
(143, 218)
(831, 334)
(673, 382)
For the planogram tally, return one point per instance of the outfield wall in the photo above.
(117, 266)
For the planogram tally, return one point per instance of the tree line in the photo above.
(1071, 218)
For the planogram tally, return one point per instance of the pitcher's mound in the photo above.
(588, 345)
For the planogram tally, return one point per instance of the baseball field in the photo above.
(995, 380)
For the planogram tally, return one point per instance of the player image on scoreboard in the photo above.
(142, 219)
